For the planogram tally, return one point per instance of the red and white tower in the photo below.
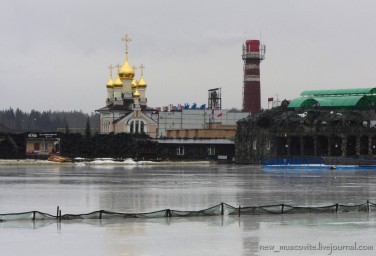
(253, 54)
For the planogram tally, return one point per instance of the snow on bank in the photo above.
(98, 161)
(129, 161)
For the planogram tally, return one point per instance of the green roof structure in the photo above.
(338, 92)
(339, 98)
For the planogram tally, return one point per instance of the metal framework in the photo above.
(214, 99)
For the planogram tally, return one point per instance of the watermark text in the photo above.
(328, 248)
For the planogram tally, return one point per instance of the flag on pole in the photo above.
(270, 99)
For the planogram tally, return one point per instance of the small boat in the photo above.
(59, 159)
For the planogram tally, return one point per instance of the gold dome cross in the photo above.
(118, 67)
(126, 39)
(111, 68)
(142, 68)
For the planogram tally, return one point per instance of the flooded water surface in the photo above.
(139, 189)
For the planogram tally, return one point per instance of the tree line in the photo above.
(47, 121)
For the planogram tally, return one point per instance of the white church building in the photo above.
(126, 107)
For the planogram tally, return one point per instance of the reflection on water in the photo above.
(217, 235)
(148, 188)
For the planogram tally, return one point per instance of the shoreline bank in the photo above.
(99, 162)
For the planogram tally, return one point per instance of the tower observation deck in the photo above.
(253, 54)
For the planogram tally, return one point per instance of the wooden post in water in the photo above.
(283, 207)
(239, 210)
(222, 209)
(57, 212)
(33, 215)
(336, 207)
(167, 213)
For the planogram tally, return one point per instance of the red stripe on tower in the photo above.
(253, 54)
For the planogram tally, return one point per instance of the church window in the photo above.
(106, 126)
(142, 127)
(137, 127)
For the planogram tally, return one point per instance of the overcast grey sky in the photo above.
(55, 54)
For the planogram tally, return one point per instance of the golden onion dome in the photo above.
(126, 71)
(134, 84)
(110, 83)
(142, 83)
(136, 94)
(118, 83)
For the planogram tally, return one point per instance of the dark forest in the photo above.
(47, 121)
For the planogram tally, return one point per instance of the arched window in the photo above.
(137, 127)
(142, 127)
(106, 126)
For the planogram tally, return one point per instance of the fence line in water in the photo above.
(220, 209)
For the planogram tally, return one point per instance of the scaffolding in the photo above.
(215, 99)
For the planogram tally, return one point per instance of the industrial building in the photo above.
(199, 123)
(192, 122)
